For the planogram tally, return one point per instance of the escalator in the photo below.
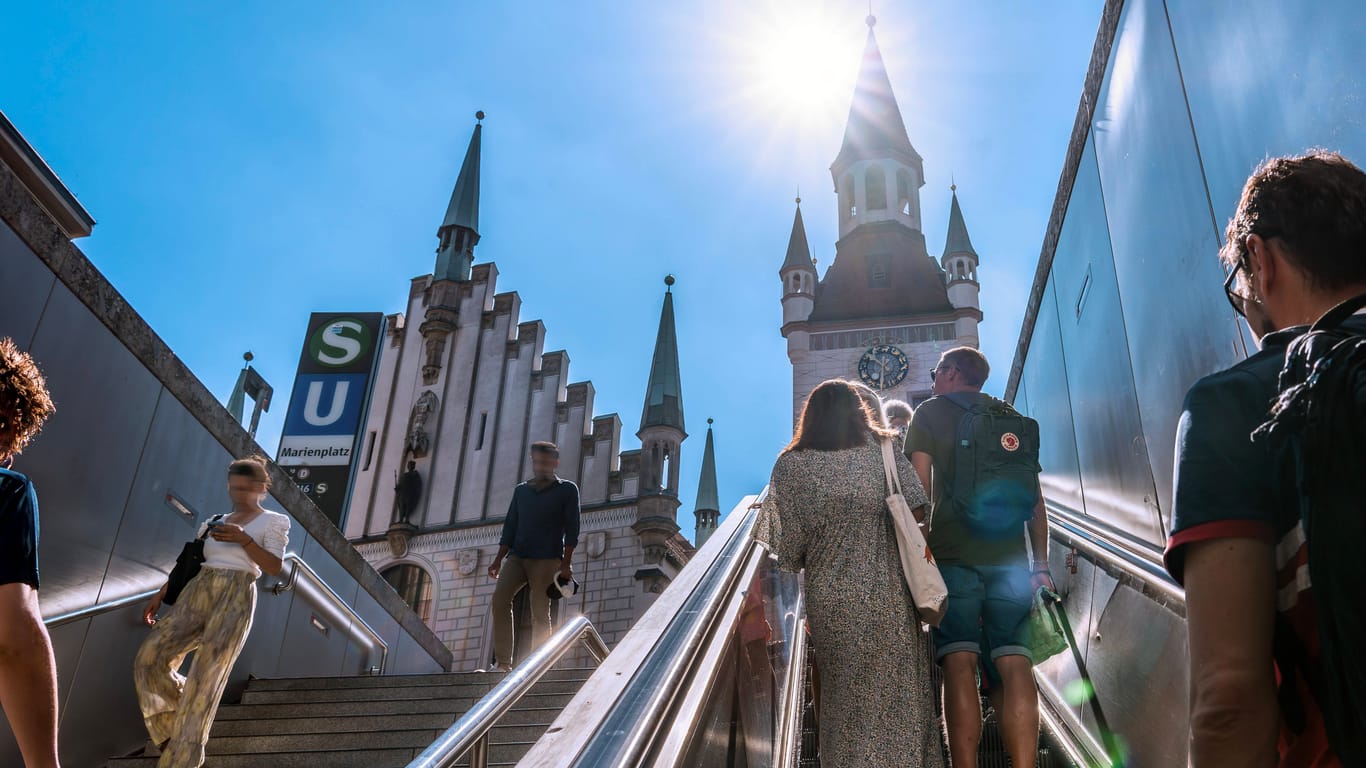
(719, 672)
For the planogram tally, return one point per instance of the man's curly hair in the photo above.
(24, 401)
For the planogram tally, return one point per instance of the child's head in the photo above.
(24, 401)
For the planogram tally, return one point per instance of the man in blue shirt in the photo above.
(28, 673)
(539, 536)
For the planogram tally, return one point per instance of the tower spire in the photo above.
(875, 129)
(957, 240)
(664, 395)
(459, 230)
(708, 507)
(798, 249)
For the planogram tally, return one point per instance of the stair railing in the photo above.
(470, 734)
(324, 599)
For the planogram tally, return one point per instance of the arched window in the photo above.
(875, 189)
(848, 208)
(903, 192)
(412, 584)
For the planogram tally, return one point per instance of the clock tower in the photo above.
(885, 309)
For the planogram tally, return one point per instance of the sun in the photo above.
(796, 61)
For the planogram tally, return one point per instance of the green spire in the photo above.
(798, 251)
(459, 231)
(708, 499)
(957, 241)
(664, 395)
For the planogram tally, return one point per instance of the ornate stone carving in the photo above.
(596, 544)
(418, 441)
(466, 561)
(435, 347)
(399, 535)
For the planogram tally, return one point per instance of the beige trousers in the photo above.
(536, 575)
(212, 618)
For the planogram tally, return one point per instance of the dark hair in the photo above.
(835, 418)
(253, 467)
(24, 401)
(972, 365)
(1316, 204)
(546, 447)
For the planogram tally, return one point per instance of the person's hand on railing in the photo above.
(149, 614)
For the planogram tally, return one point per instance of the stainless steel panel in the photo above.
(25, 284)
(101, 716)
(1076, 590)
(1316, 100)
(1179, 326)
(379, 620)
(1045, 377)
(408, 658)
(1140, 675)
(307, 650)
(84, 462)
(179, 457)
(1109, 431)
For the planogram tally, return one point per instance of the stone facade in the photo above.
(463, 388)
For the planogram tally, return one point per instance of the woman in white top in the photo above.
(212, 616)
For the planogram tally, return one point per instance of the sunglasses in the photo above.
(1236, 300)
(935, 373)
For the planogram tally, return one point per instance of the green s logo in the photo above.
(340, 343)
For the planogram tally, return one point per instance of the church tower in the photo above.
(456, 238)
(708, 509)
(661, 438)
(960, 264)
(885, 308)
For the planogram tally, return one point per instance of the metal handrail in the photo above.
(470, 734)
(323, 597)
(788, 750)
(1099, 545)
(623, 736)
(97, 609)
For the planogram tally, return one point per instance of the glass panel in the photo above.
(1114, 465)
(1045, 379)
(1170, 282)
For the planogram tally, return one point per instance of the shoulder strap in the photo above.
(1335, 316)
(213, 519)
(889, 467)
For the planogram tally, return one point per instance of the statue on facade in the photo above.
(418, 441)
(408, 492)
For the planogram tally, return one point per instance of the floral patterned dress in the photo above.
(826, 513)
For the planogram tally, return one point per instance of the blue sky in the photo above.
(249, 167)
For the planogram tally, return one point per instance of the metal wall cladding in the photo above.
(118, 443)
(1045, 377)
(1112, 453)
(1163, 236)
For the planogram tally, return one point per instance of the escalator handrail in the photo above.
(91, 611)
(469, 734)
(1140, 563)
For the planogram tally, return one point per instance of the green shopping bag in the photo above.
(1046, 638)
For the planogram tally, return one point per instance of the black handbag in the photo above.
(186, 566)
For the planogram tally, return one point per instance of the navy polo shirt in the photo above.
(18, 530)
(542, 522)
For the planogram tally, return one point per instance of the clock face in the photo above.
(883, 366)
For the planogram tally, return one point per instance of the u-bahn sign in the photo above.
(327, 408)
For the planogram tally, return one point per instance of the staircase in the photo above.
(369, 722)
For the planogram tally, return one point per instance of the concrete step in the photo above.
(315, 695)
(380, 707)
(252, 726)
(396, 681)
(368, 758)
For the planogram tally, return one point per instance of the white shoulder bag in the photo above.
(922, 575)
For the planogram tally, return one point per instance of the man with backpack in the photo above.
(1268, 534)
(980, 459)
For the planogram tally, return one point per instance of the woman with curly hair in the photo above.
(211, 617)
(28, 673)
